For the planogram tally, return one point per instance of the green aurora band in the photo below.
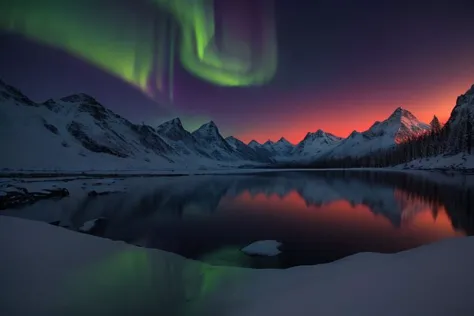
(138, 45)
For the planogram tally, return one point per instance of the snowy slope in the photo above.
(254, 144)
(74, 133)
(113, 278)
(246, 152)
(278, 151)
(212, 142)
(315, 144)
(282, 147)
(261, 151)
(180, 139)
(399, 127)
(77, 133)
(457, 127)
(454, 162)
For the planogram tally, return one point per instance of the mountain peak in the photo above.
(79, 97)
(211, 124)
(400, 113)
(208, 129)
(354, 133)
(176, 122)
(253, 142)
(208, 125)
(283, 140)
(318, 134)
(269, 142)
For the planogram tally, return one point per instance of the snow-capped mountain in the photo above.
(282, 147)
(260, 149)
(180, 139)
(464, 103)
(461, 119)
(397, 128)
(254, 144)
(78, 133)
(73, 132)
(247, 151)
(315, 144)
(174, 130)
(212, 142)
(279, 150)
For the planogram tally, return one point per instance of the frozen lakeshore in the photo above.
(48, 270)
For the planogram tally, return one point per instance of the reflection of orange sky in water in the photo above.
(418, 224)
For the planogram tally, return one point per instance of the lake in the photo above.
(318, 216)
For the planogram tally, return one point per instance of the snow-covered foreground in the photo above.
(48, 270)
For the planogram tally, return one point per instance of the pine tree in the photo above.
(435, 124)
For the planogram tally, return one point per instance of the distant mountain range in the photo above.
(78, 133)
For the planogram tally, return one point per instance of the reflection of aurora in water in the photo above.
(136, 280)
(225, 43)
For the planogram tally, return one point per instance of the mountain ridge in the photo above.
(79, 126)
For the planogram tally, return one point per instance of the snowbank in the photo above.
(263, 248)
(47, 270)
(455, 162)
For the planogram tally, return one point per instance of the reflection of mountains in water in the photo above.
(396, 196)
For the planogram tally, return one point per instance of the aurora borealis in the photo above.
(136, 44)
(259, 68)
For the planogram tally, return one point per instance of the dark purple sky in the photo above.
(341, 65)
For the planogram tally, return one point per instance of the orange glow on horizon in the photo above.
(358, 115)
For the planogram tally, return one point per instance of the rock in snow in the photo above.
(54, 271)
(263, 248)
(89, 225)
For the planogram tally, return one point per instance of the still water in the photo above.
(318, 216)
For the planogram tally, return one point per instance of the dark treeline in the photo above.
(445, 140)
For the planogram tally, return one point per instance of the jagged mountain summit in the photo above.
(74, 133)
(212, 142)
(78, 133)
(173, 130)
(279, 150)
(460, 123)
(180, 139)
(315, 144)
(400, 126)
(247, 150)
(283, 147)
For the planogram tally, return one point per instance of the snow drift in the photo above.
(53, 271)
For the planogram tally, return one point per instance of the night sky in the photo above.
(340, 66)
